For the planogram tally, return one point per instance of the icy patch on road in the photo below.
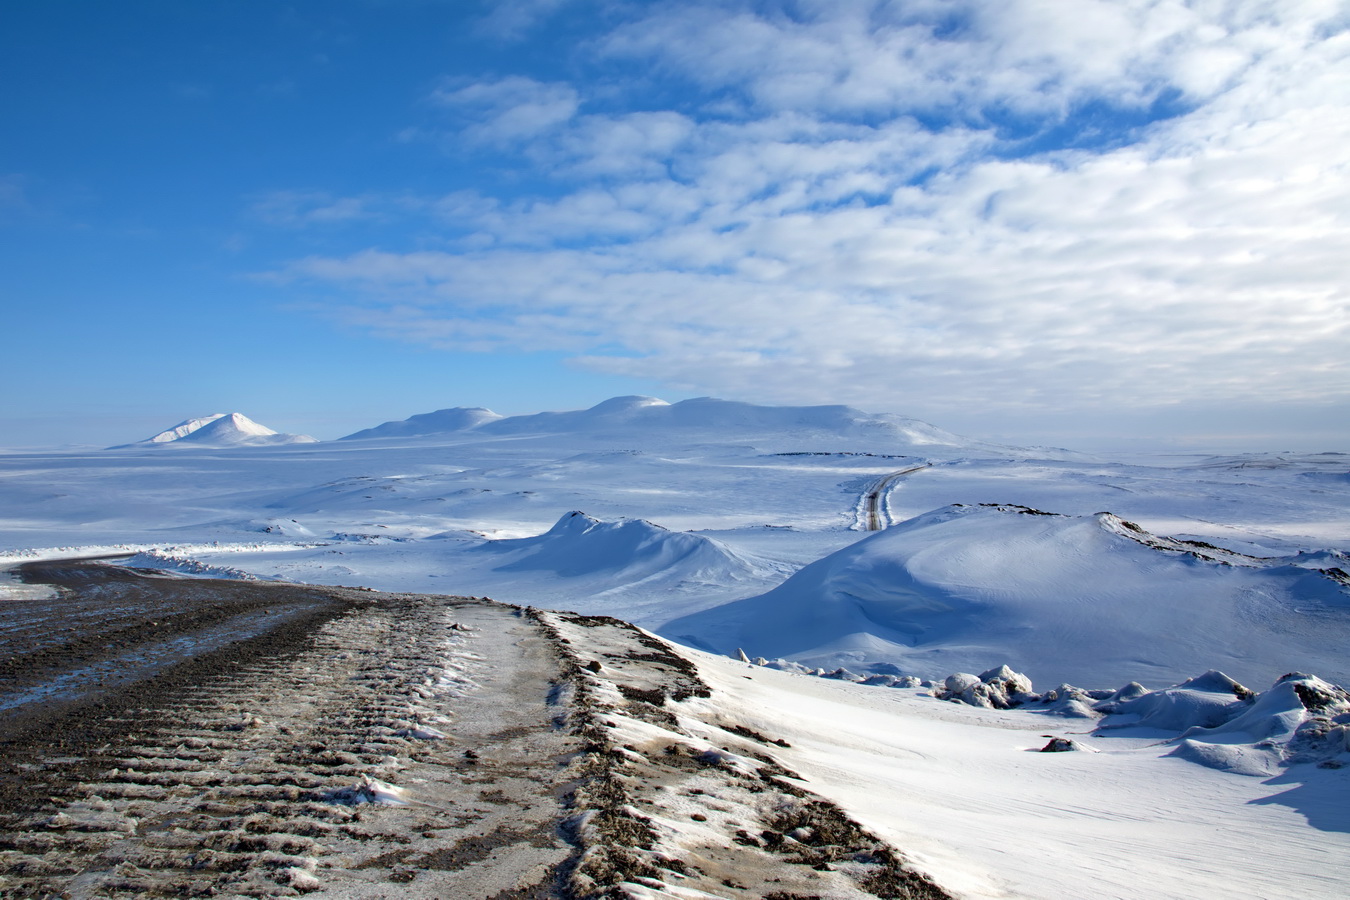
(370, 790)
(11, 588)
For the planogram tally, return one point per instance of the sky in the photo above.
(1079, 222)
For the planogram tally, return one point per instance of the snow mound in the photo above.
(168, 562)
(442, 421)
(220, 430)
(284, 527)
(625, 550)
(1202, 702)
(1062, 598)
(1000, 688)
(1301, 720)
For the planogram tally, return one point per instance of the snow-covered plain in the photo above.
(733, 527)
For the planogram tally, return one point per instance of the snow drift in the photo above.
(624, 551)
(220, 430)
(1080, 599)
(1224, 725)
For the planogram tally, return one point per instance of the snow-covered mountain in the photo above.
(648, 421)
(221, 430)
(1091, 600)
(442, 421)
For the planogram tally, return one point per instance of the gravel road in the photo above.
(179, 737)
(171, 737)
(873, 515)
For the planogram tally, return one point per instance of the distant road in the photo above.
(873, 498)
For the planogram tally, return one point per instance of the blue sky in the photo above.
(1071, 222)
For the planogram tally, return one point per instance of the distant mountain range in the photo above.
(649, 414)
(632, 421)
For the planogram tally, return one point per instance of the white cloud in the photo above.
(633, 145)
(853, 57)
(822, 245)
(508, 109)
(511, 19)
(299, 209)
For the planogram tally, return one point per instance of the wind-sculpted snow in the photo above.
(1210, 719)
(631, 549)
(1079, 599)
(1205, 701)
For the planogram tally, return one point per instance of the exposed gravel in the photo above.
(350, 744)
(172, 737)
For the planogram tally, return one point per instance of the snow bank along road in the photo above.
(192, 737)
(874, 499)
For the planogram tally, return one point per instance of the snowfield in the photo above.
(967, 796)
(1081, 599)
(742, 530)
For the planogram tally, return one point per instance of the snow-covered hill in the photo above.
(1091, 600)
(629, 549)
(220, 430)
(648, 422)
(442, 421)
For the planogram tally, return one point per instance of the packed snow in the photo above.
(973, 803)
(1191, 611)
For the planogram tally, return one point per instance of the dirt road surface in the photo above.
(183, 737)
(874, 500)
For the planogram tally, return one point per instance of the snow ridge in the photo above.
(1067, 598)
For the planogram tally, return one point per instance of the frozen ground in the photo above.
(736, 527)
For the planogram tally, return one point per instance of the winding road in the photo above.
(873, 520)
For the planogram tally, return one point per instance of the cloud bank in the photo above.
(1029, 205)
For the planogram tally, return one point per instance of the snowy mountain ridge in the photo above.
(649, 420)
